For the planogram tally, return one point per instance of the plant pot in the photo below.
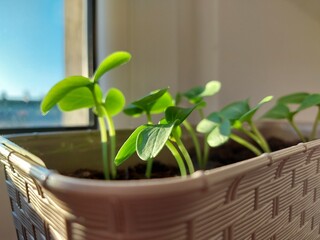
(273, 196)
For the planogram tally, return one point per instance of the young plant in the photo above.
(78, 92)
(154, 103)
(149, 139)
(238, 115)
(287, 107)
(195, 96)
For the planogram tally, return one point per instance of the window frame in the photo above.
(91, 63)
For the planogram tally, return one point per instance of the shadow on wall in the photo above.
(310, 7)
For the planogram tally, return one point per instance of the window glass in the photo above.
(34, 56)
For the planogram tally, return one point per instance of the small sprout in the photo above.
(154, 103)
(149, 139)
(78, 92)
(195, 96)
(218, 125)
(287, 107)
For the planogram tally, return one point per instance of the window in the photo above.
(41, 42)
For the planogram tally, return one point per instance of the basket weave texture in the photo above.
(274, 196)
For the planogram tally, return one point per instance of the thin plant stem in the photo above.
(295, 127)
(103, 136)
(263, 143)
(206, 146)
(177, 156)
(315, 125)
(149, 168)
(246, 144)
(251, 135)
(206, 149)
(195, 141)
(113, 143)
(184, 152)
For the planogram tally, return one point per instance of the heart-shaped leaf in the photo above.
(310, 101)
(77, 99)
(248, 115)
(152, 139)
(177, 114)
(196, 94)
(146, 103)
(235, 110)
(114, 101)
(279, 111)
(129, 146)
(209, 123)
(294, 98)
(162, 103)
(219, 135)
(113, 60)
(61, 89)
(133, 110)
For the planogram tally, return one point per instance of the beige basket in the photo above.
(273, 196)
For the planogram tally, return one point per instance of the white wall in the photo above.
(268, 48)
(255, 48)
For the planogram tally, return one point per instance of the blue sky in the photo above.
(31, 46)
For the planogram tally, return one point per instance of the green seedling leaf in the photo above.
(133, 110)
(61, 89)
(310, 101)
(98, 93)
(114, 101)
(211, 88)
(209, 123)
(162, 103)
(152, 139)
(146, 103)
(235, 110)
(295, 98)
(196, 94)
(176, 129)
(177, 114)
(279, 111)
(248, 115)
(129, 146)
(77, 99)
(112, 61)
(220, 134)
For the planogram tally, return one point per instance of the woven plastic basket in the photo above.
(273, 196)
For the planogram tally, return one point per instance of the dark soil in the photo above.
(228, 153)
(159, 170)
(233, 152)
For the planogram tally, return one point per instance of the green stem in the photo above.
(178, 158)
(315, 126)
(149, 167)
(113, 142)
(245, 143)
(195, 141)
(206, 147)
(184, 152)
(263, 143)
(103, 135)
(295, 127)
(251, 135)
(149, 119)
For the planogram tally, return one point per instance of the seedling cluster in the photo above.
(234, 121)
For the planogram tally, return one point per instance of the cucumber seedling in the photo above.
(78, 92)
